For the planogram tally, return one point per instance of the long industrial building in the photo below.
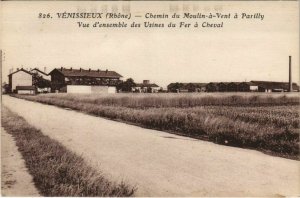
(252, 86)
(84, 81)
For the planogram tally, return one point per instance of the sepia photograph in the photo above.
(150, 99)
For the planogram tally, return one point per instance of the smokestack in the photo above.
(45, 69)
(290, 74)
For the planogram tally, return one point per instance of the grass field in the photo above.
(57, 171)
(266, 122)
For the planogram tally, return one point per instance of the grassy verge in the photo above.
(182, 100)
(57, 171)
(269, 127)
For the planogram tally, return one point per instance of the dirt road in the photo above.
(15, 179)
(162, 164)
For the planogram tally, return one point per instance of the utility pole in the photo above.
(290, 74)
(1, 68)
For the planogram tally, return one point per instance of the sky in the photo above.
(242, 50)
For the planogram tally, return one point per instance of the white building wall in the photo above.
(46, 89)
(253, 88)
(26, 92)
(99, 89)
(21, 78)
(86, 89)
(112, 90)
(155, 89)
(145, 89)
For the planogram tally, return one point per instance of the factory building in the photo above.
(21, 81)
(146, 87)
(186, 87)
(84, 81)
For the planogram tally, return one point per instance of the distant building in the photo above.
(41, 73)
(222, 86)
(84, 81)
(146, 87)
(271, 86)
(186, 87)
(21, 79)
(247, 87)
(28, 82)
(26, 90)
(196, 87)
(233, 86)
(260, 86)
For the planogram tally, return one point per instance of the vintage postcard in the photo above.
(150, 98)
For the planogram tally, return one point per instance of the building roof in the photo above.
(189, 84)
(275, 85)
(235, 83)
(225, 83)
(24, 70)
(213, 83)
(25, 87)
(146, 85)
(248, 83)
(197, 84)
(87, 73)
(36, 69)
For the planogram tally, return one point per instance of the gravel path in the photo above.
(162, 164)
(15, 179)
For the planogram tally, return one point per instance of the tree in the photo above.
(191, 87)
(39, 81)
(174, 87)
(126, 86)
(5, 88)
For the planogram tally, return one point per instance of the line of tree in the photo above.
(126, 85)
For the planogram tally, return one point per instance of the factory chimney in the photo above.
(290, 75)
